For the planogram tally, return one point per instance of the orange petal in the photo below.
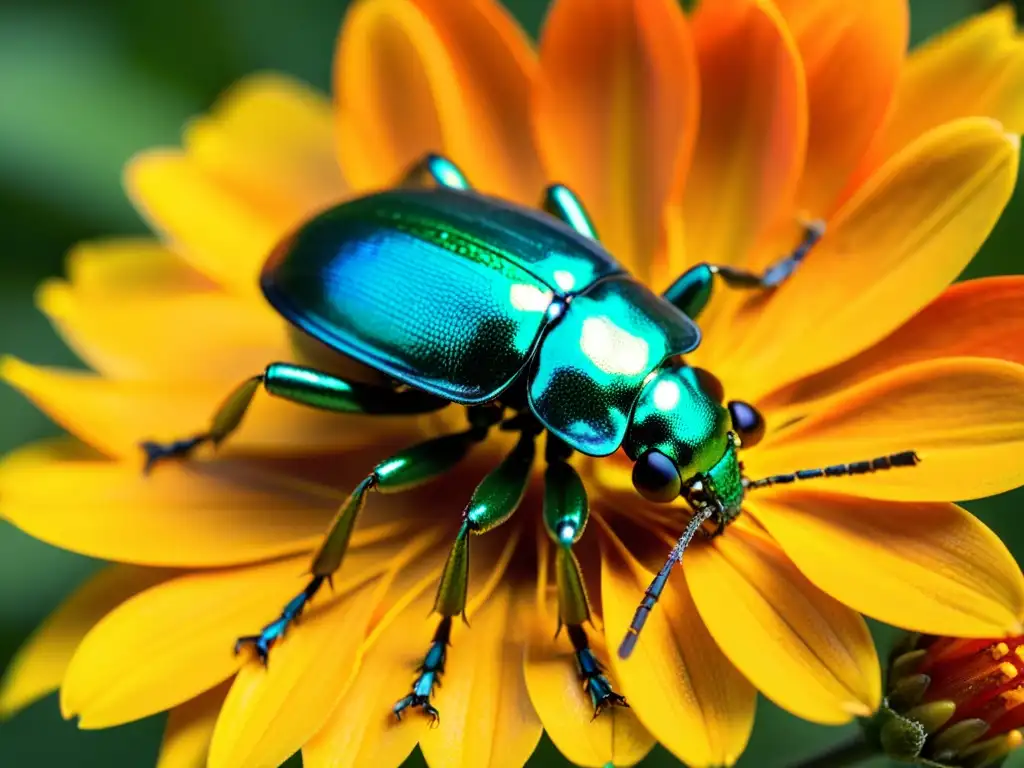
(112, 511)
(926, 567)
(803, 650)
(753, 128)
(114, 416)
(418, 76)
(692, 699)
(565, 710)
(963, 416)
(852, 54)
(272, 137)
(890, 251)
(977, 68)
(615, 114)
(272, 711)
(487, 718)
(188, 335)
(39, 666)
(189, 730)
(222, 231)
(989, 322)
(109, 269)
(173, 642)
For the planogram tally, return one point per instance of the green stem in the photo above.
(845, 753)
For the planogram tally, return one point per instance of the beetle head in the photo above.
(682, 442)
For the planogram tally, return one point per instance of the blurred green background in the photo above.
(83, 85)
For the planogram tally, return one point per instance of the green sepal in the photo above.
(328, 558)
(898, 737)
(566, 509)
(500, 492)
(573, 605)
(451, 592)
(231, 412)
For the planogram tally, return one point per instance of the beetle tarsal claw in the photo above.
(429, 675)
(179, 449)
(275, 630)
(612, 699)
(423, 703)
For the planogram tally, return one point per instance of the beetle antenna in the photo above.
(703, 513)
(904, 459)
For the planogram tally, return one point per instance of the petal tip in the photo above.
(13, 370)
(139, 164)
(10, 701)
(858, 708)
(53, 298)
(67, 710)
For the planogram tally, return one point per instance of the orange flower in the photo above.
(690, 138)
(955, 702)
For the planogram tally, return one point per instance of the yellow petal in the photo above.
(184, 336)
(890, 251)
(418, 76)
(112, 511)
(977, 68)
(686, 693)
(615, 114)
(963, 416)
(224, 232)
(852, 54)
(172, 642)
(273, 137)
(753, 128)
(802, 649)
(487, 718)
(114, 416)
(565, 710)
(272, 711)
(361, 730)
(108, 269)
(189, 729)
(926, 567)
(989, 315)
(39, 666)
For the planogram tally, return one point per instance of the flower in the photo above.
(957, 700)
(689, 137)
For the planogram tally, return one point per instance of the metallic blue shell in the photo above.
(450, 292)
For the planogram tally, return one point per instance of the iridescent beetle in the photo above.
(460, 298)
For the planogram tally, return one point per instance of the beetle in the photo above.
(456, 297)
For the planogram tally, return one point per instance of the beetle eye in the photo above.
(747, 421)
(656, 478)
(710, 384)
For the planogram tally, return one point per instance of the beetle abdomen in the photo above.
(430, 307)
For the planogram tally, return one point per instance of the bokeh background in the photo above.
(86, 83)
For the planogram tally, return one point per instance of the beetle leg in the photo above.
(565, 516)
(435, 170)
(494, 501)
(306, 386)
(406, 469)
(562, 203)
(692, 292)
